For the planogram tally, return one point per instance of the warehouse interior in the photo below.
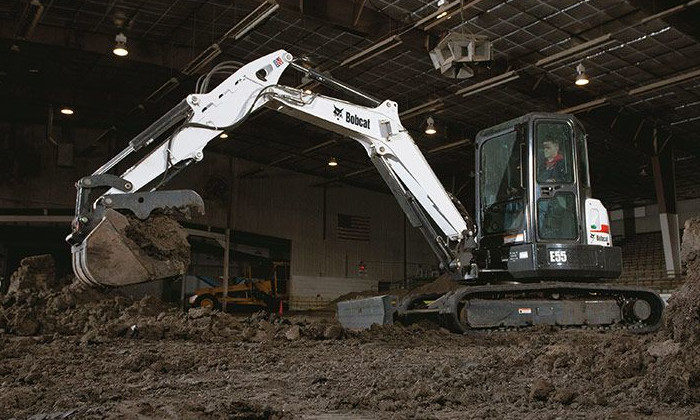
(298, 216)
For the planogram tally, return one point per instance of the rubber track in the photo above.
(450, 312)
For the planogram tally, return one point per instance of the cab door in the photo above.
(556, 194)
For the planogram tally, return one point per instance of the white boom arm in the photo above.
(378, 129)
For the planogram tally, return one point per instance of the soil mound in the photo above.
(38, 305)
(682, 317)
(98, 316)
(35, 272)
(690, 250)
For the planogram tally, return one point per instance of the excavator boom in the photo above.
(206, 115)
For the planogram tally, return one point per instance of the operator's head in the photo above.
(551, 147)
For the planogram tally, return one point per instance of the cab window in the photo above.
(554, 152)
(557, 217)
(584, 178)
(501, 184)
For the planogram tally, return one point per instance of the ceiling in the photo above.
(643, 58)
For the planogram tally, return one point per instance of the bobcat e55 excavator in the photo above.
(536, 254)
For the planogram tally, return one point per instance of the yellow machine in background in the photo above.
(248, 292)
(243, 292)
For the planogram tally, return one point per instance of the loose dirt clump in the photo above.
(36, 272)
(161, 237)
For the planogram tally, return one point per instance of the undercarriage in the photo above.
(523, 305)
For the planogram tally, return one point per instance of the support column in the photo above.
(665, 183)
(226, 263)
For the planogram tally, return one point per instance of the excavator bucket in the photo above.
(119, 251)
(363, 313)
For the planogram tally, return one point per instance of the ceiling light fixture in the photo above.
(223, 136)
(586, 106)
(202, 60)
(431, 106)
(251, 21)
(665, 82)
(581, 76)
(67, 111)
(373, 51)
(120, 45)
(430, 129)
(441, 6)
(488, 83)
(578, 50)
(433, 17)
(332, 162)
(163, 90)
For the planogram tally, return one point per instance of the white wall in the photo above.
(285, 204)
(647, 217)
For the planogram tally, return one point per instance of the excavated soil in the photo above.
(160, 237)
(101, 355)
(683, 311)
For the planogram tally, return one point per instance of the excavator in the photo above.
(538, 252)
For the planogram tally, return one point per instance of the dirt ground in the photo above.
(67, 352)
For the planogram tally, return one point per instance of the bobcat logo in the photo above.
(337, 112)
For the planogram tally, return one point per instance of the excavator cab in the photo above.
(535, 215)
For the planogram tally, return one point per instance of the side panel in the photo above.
(597, 224)
(561, 261)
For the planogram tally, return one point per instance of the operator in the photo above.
(552, 169)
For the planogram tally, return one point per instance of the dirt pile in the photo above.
(205, 325)
(690, 250)
(37, 306)
(124, 358)
(682, 317)
(670, 366)
(35, 272)
(97, 316)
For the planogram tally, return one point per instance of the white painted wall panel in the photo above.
(649, 222)
(284, 204)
